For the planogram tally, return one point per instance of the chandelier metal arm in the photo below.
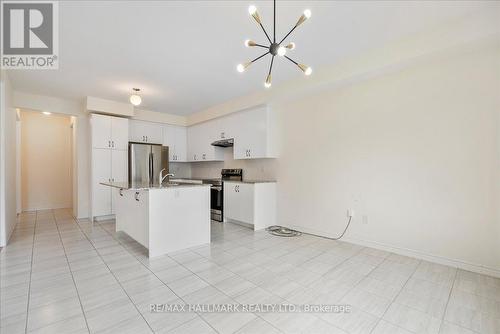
(259, 57)
(262, 46)
(271, 67)
(293, 61)
(288, 34)
(265, 32)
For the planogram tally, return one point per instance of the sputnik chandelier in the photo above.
(274, 48)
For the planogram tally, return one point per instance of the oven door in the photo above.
(216, 203)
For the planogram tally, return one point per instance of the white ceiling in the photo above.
(183, 54)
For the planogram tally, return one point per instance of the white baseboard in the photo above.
(477, 268)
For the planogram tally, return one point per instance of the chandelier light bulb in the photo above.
(249, 43)
(290, 46)
(306, 69)
(47, 113)
(267, 84)
(281, 51)
(307, 13)
(252, 10)
(135, 98)
(242, 67)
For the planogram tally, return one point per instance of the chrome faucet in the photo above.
(161, 178)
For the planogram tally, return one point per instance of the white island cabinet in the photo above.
(251, 203)
(164, 219)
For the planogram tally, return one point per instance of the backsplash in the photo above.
(253, 169)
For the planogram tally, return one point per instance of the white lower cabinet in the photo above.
(250, 203)
(101, 172)
(107, 166)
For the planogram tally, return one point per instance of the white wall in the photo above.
(46, 161)
(416, 152)
(8, 196)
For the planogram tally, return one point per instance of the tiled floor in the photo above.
(60, 276)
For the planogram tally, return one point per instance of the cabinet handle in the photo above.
(109, 143)
(222, 135)
(235, 187)
(194, 157)
(121, 192)
(137, 196)
(146, 138)
(113, 143)
(204, 156)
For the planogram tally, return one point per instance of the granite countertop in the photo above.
(139, 186)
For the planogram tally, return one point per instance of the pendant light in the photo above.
(274, 48)
(135, 98)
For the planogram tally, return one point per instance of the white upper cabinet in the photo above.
(200, 138)
(119, 133)
(254, 136)
(145, 132)
(101, 131)
(109, 132)
(175, 137)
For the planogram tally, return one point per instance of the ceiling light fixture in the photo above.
(46, 113)
(135, 98)
(274, 48)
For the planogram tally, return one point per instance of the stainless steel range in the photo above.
(216, 191)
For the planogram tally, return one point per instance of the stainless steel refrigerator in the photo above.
(145, 161)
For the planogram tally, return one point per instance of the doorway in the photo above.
(46, 154)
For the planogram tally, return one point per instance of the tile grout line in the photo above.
(31, 272)
(165, 284)
(75, 221)
(71, 272)
(394, 299)
(448, 301)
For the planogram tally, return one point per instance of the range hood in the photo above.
(224, 143)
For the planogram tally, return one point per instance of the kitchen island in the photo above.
(163, 218)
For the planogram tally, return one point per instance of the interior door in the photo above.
(139, 163)
(101, 172)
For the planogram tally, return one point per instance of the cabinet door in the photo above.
(153, 133)
(245, 196)
(119, 165)
(231, 202)
(119, 168)
(168, 133)
(101, 172)
(119, 133)
(100, 131)
(251, 140)
(239, 202)
(137, 130)
(180, 138)
(193, 141)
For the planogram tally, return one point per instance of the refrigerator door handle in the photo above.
(150, 168)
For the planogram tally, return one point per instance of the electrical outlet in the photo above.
(350, 213)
